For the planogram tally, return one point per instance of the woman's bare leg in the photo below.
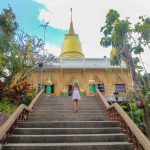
(75, 105)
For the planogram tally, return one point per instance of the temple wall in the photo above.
(61, 79)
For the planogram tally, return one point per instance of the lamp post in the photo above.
(44, 26)
(41, 64)
(116, 95)
(41, 76)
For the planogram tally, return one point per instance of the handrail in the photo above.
(21, 114)
(105, 103)
(143, 140)
(135, 135)
(34, 100)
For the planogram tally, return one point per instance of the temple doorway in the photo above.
(70, 88)
(49, 88)
(53, 88)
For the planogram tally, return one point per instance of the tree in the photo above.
(19, 52)
(128, 39)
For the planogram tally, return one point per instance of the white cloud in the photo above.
(52, 49)
(89, 17)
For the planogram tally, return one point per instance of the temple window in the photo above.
(101, 88)
(120, 87)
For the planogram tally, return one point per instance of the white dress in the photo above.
(76, 94)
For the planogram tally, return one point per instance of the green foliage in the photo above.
(136, 60)
(7, 107)
(121, 27)
(2, 61)
(106, 41)
(111, 17)
(108, 30)
(138, 49)
(143, 28)
(117, 31)
(7, 22)
(132, 96)
(135, 113)
(115, 61)
(26, 100)
(114, 29)
(146, 78)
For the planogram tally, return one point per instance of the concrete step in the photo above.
(70, 146)
(69, 124)
(68, 97)
(71, 114)
(59, 118)
(45, 131)
(115, 137)
(69, 101)
(68, 111)
(69, 107)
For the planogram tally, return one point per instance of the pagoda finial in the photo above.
(71, 13)
(71, 30)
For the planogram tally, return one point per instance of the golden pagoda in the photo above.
(71, 47)
(113, 52)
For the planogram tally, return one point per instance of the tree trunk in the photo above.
(147, 117)
(127, 57)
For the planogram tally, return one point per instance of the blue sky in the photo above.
(27, 12)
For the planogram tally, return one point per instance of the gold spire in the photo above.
(113, 52)
(71, 29)
(71, 47)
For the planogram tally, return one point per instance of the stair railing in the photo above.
(20, 115)
(135, 135)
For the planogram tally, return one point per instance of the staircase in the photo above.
(54, 126)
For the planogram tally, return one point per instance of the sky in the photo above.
(88, 18)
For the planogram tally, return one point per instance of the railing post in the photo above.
(134, 142)
(129, 135)
(124, 126)
(113, 114)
